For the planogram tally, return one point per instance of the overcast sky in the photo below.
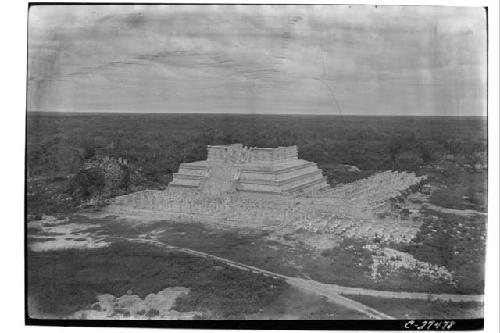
(385, 60)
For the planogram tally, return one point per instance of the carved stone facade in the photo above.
(237, 153)
(231, 168)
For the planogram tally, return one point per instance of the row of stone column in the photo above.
(229, 207)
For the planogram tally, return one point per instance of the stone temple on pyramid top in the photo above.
(235, 168)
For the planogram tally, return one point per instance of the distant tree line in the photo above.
(155, 145)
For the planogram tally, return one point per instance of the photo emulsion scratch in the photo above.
(256, 162)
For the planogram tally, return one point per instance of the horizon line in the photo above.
(247, 113)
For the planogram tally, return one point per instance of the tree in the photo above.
(425, 152)
(87, 183)
(395, 148)
(125, 180)
(89, 150)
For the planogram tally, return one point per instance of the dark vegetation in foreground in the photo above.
(456, 242)
(66, 281)
(295, 304)
(63, 282)
(423, 309)
(60, 146)
(348, 264)
(458, 188)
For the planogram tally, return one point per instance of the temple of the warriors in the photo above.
(273, 188)
(235, 168)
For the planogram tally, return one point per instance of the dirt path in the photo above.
(296, 282)
(332, 291)
(460, 212)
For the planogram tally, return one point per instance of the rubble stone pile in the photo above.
(129, 306)
(375, 189)
(386, 261)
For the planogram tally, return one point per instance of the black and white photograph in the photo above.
(256, 163)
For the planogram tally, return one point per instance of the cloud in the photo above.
(270, 58)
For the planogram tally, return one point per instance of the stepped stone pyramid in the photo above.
(235, 168)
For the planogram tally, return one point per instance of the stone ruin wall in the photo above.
(192, 171)
(296, 170)
(241, 154)
(230, 168)
(348, 210)
(310, 168)
(243, 208)
(311, 182)
(375, 189)
(271, 186)
(229, 206)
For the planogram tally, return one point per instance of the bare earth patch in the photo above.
(63, 235)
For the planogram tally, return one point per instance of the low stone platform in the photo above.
(350, 210)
